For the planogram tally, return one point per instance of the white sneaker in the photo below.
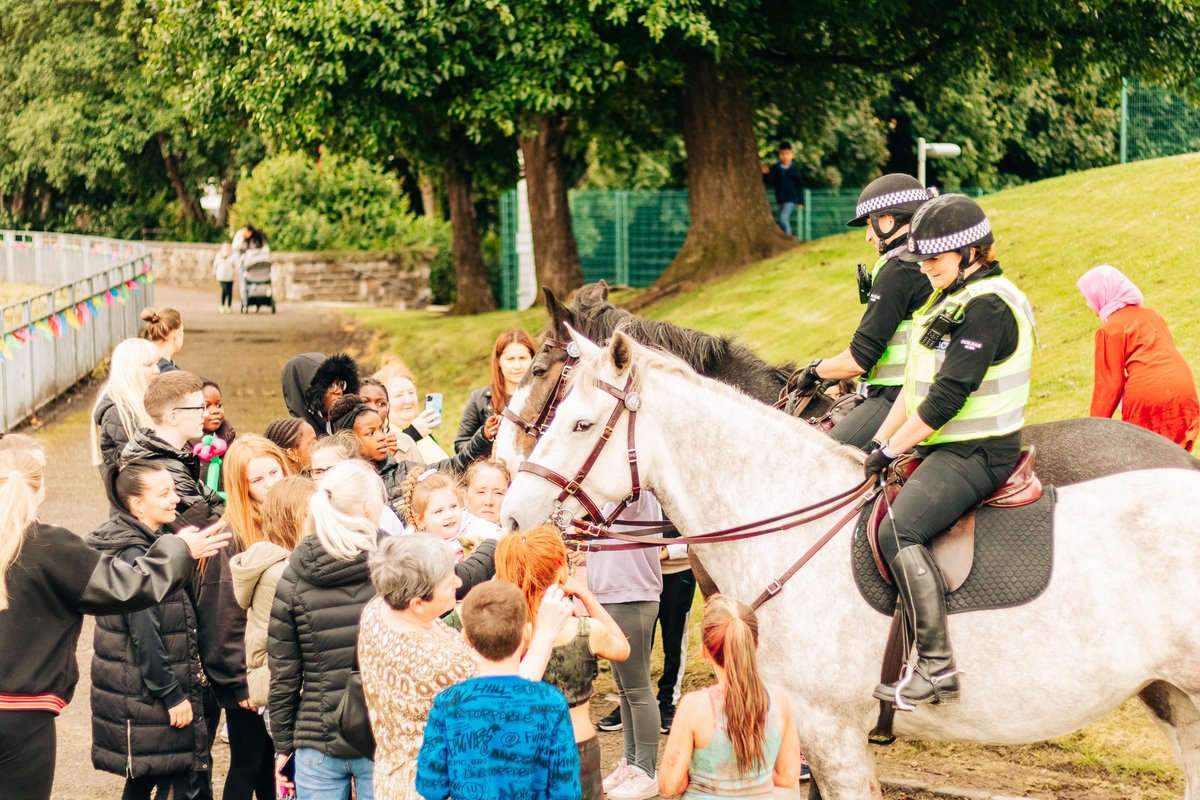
(636, 786)
(617, 776)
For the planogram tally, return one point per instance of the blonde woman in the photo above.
(253, 464)
(119, 412)
(49, 578)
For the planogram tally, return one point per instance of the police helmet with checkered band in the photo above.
(946, 224)
(896, 193)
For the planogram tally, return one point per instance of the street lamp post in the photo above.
(933, 150)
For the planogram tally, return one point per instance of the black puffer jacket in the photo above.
(143, 664)
(313, 636)
(470, 431)
(198, 504)
(113, 437)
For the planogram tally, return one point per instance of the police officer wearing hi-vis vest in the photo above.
(962, 407)
(891, 291)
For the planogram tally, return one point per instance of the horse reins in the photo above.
(546, 415)
(630, 401)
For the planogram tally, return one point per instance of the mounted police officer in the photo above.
(892, 291)
(962, 407)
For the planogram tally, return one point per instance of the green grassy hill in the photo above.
(1143, 218)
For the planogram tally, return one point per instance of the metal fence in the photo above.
(1156, 123)
(51, 340)
(629, 237)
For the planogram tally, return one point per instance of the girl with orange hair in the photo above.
(253, 464)
(735, 738)
(534, 561)
(511, 355)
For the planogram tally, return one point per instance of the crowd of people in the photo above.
(258, 584)
(241, 579)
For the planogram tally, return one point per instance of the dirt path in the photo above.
(242, 353)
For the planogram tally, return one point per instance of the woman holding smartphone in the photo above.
(511, 356)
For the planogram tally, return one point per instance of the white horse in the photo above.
(1118, 617)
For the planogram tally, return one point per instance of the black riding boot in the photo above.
(923, 598)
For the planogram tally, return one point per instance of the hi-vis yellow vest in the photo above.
(889, 369)
(997, 407)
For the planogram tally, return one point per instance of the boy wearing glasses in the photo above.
(175, 401)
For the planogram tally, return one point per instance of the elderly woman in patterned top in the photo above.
(408, 655)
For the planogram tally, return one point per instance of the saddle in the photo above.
(953, 550)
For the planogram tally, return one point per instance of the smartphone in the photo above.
(434, 401)
(289, 772)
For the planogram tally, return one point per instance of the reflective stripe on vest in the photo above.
(889, 369)
(997, 407)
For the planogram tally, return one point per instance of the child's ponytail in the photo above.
(731, 639)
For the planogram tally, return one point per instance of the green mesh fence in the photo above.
(629, 237)
(1156, 122)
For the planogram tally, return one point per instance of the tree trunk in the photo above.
(731, 221)
(429, 199)
(555, 255)
(188, 202)
(229, 184)
(473, 295)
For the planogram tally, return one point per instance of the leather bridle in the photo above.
(627, 400)
(546, 414)
(579, 532)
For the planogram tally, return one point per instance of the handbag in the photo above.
(353, 722)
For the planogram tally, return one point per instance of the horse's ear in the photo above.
(586, 346)
(560, 315)
(621, 350)
(603, 289)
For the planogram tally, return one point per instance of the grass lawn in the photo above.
(1143, 218)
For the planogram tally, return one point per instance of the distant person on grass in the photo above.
(1138, 366)
(522, 744)
(784, 178)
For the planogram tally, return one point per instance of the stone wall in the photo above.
(397, 278)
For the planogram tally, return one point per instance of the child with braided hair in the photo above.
(433, 503)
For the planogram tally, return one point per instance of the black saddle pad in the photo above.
(1014, 556)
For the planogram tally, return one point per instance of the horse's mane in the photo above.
(648, 357)
(701, 351)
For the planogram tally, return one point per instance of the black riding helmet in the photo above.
(950, 223)
(896, 194)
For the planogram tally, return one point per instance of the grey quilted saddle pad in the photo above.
(1014, 555)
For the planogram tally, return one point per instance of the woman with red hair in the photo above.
(534, 561)
(511, 356)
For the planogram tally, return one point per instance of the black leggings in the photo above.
(674, 606)
(251, 757)
(937, 494)
(859, 427)
(227, 293)
(27, 747)
(169, 786)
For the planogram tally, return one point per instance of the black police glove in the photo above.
(809, 380)
(879, 460)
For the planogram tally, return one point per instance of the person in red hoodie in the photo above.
(1137, 364)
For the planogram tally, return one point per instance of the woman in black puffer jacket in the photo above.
(313, 633)
(148, 688)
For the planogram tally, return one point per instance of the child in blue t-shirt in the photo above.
(498, 735)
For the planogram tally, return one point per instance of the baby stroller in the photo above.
(257, 290)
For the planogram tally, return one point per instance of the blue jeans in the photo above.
(785, 216)
(322, 777)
